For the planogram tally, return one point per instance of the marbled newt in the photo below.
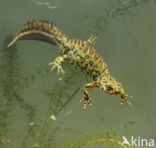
(81, 54)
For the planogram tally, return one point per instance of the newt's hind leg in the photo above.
(86, 100)
(56, 64)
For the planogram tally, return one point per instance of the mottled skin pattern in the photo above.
(81, 54)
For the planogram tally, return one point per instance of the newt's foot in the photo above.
(55, 66)
(86, 101)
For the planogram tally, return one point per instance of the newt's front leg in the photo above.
(86, 100)
(56, 65)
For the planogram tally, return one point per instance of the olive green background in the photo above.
(127, 42)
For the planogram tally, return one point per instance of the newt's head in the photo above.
(112, 87)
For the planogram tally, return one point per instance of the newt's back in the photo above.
(83, 55)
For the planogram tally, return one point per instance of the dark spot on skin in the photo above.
(109, 87)
(65, 51)
(91, 63)
(81, 58)
(87, 56)
(117, 92)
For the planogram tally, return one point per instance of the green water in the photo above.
(30, 94)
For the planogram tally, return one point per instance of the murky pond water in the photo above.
(40, 109)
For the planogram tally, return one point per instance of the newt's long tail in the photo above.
(39, 30)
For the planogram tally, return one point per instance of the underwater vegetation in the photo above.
(123, 8)
(125, 5)
(37, 134)
(9, 88)
(11, 83)
(59, 96)
(109, 139)
(105, 138)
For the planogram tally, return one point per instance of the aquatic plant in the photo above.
(43, 136)
(9, 85)
(31, 130)
(109, 139)
(123, 8)
(59, 96)
(125, 5)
